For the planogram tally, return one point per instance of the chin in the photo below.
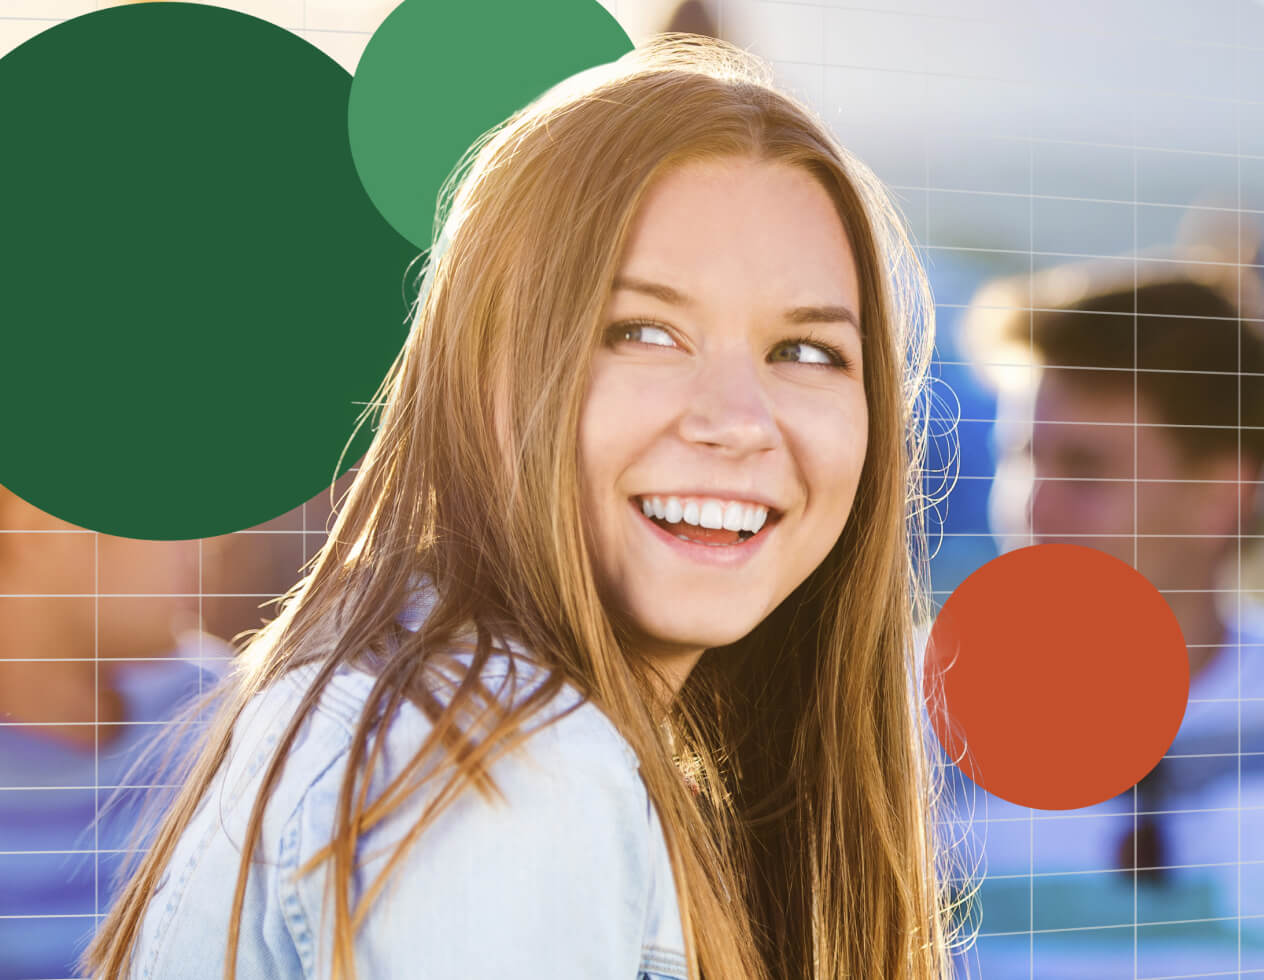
(695, 636)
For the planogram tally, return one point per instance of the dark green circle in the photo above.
(199, 298)
(436, 75)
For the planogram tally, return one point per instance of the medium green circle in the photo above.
(435, 76)
(199, 297)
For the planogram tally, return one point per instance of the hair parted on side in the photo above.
(809, 849)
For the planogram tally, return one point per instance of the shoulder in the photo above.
(568, 730)
(571, 750)
(558, 866)
(1250, 633)
(567, 736)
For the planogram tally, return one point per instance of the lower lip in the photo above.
(718, 555)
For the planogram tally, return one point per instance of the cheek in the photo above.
(608, 434)
(596, 428)
(148, 567)
(1174, 508)
(834, 443)
(619, 419)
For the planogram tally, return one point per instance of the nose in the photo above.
(1050, 507)
(729, 407)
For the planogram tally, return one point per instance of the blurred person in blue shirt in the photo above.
(1131, 420)
(100, 646)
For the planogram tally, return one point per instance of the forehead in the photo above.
(1075, 411)
(1077, 395)
(739, 219)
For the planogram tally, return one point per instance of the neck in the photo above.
(670, 673)
(1201, 626)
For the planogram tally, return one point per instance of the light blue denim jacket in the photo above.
(570, 880)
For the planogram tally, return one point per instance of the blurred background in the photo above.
(1068, 170)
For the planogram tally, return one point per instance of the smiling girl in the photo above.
(606, 670)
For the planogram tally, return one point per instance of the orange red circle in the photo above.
(1056, 676)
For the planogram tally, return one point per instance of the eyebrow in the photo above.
(799, 314)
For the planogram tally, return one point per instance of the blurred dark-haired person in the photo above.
(99, 646)
(1131, 420)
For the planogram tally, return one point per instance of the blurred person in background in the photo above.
(99, 643)
(1131, 420)
(254, 566)
(102, 640)
(692, 17)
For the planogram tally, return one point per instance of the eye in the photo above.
(640, 331)
(1081, 464)
(807, 350)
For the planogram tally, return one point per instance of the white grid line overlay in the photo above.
(931, 189)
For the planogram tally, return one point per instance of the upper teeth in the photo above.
(706, 512)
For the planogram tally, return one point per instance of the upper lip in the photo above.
(745, 496)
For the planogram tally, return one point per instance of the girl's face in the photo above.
(727, 394)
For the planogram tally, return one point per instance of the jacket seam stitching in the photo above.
(295, 914)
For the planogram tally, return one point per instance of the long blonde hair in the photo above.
(807, 849)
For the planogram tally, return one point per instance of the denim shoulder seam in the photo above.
(176, 891)
(342, 698)
(664, 961)
(297, 918)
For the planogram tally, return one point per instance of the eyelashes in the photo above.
(837, 358)
(618, 333)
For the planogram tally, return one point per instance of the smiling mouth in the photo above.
(710, 537)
